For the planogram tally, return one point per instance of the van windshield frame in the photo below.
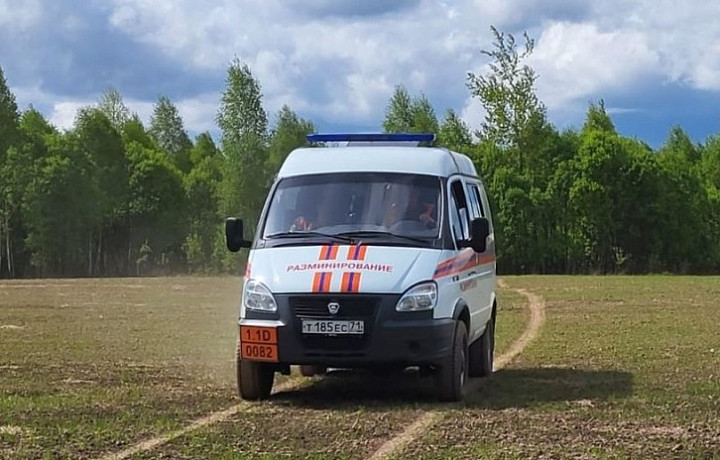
(382, 208)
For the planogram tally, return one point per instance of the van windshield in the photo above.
(359, 204)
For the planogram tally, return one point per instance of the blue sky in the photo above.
(337, 62)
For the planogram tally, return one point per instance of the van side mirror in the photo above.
(479, 231)
(234, 238)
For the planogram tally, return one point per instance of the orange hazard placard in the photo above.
(258, 343)
(259, 352)
(257, 334)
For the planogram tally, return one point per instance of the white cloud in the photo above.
(339, 60)
(63, 113)
(198, 113)
(19, 15)
(686, 36)
(577, 61)
(473, 113)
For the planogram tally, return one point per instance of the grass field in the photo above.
(624, 367)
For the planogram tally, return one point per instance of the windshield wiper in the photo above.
(306, 234)
(382, 234)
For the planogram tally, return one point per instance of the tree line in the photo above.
(112, 197)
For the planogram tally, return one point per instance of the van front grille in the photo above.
(350, 307)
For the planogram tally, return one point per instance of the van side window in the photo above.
(476, 206)
(480, 201)
(461, 208)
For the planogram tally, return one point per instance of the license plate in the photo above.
(333, 327)
(258, 343)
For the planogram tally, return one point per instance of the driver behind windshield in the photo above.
(356, 202)
(314, 211)
(408, 203)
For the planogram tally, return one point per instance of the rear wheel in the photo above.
(308, 370)
(482, 351)
(452, 374)
(254, 380)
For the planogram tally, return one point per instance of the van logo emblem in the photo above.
(333, 308)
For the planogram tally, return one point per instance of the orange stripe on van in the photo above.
(466, 260)
(328, 252)
(350, 282)
(357, 252)
(321, 282)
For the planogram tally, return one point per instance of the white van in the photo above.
(379, 254)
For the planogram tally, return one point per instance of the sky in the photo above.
(654, 63)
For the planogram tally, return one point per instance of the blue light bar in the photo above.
(372, 137)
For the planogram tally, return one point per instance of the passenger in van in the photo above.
(315, 212)
(408, 204)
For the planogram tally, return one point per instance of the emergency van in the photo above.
(371, 252)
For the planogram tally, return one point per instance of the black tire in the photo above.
(452, 374)
(254, 380)
(482, 351)
(308, 370)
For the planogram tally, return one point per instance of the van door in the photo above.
(485, 270)
(468, 277)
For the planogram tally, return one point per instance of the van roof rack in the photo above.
(373, 138)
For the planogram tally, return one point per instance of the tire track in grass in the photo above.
(426, 421)
(394, 445)
(215, 417)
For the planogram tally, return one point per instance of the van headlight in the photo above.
(419, 298)
(256, 296)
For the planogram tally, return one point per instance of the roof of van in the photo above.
(414, 160)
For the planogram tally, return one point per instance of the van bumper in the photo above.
(390, 337)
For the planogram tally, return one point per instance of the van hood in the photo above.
(342, 268)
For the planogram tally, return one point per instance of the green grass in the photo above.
(625, 367)
(92, 365)
(337, 416)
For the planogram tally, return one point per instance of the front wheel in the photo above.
(452, 374)
(482, 351)
(254, 380)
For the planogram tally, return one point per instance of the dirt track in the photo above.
(415, 430)
(394, 445)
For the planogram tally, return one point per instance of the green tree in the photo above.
(9, 136)
(59, 208)
(423, 116)
(134, 131)
(514, 113)
(20, 168)
(166, 128)
(243, 123)
(156, 209)
(204, 148)
(399, 112)
(9, 117)
(289, 133)
(685, 208)
(111, 104)
(201, 191)
(614, 196)
(406, 114)
(103, 144)
(454, 133)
